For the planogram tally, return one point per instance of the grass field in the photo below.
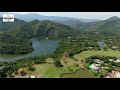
(69, 61)
(48, 70)
(86, 54)
(81, 73)
(54, 72)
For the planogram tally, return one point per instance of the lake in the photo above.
(101, 44)
(41, 47)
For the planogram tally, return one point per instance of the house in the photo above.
(90, 47)
(98, 61)
(111, 60)
(114, 74)
(98, 69)
(118, 74)
(107, 77)
(69, 37)
(117, 61)
(95, 67)
(105, 67)
(2, 68)
(114, 47)
(32, 76)
(20, 70)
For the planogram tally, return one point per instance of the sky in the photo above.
(84, 15)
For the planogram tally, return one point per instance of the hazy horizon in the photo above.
(81, 15)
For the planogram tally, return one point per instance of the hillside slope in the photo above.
(43, 28)
(7, 26)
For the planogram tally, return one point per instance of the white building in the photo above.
(95, 67)
(117, 61)
(32, 76)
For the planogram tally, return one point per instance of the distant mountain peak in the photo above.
(113, 18)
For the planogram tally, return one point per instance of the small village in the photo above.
(99, 66)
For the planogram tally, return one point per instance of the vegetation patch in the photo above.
(86, 54)
(81, 73)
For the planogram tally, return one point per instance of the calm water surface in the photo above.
(41, 47)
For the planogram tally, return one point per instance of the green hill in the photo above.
(7, 26)
(14, 45)
(111, 25)
(43, 28)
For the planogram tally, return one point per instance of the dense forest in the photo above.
(10, 44)
(76, 44)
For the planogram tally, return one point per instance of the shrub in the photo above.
(65, 62)
(31, 68)
(76, 65)
(57, 63)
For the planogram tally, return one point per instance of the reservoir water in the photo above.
(41, 47)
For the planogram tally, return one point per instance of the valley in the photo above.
(60, 49)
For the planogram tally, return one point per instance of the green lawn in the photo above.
(54, 72)
(39, 70)
(86, 54)
(69, 61)
(81, 73)
(48, 70)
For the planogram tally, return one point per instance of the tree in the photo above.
(3, 75)
(66, 62)
(76, 65)
(109, 69)
(105, 49)
(95, 74)
(31, 68)
(57, 63)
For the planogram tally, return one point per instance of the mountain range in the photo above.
(32, 16)
(111, 25)
(60, 27)
(15, 36)
(42, 28)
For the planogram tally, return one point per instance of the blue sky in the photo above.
(84, 15)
